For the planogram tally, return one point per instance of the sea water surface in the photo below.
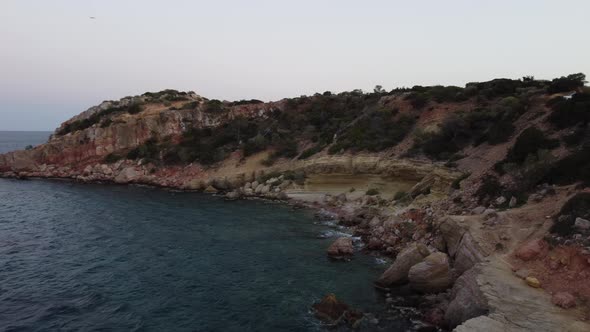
(18, 140)
(88, 257)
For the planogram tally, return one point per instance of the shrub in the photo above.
(148, 150)
(400, 195)
(570, 112)
(28, 147)
(529, 142)
(311, 151)
(372, 192)
(112, 158)
(567, 83)
(490, 188)
(213, 106)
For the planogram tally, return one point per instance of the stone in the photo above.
(432, 275)
(522, 273)
(248, 185)
(468, 254)
(500, 200)
(478, 210)
(341, 248)
(210, 190)
(452, 234)
(258, 189)
(331, 310)
(423, 187)
(582, 224)
(398, 272)
(233, 195)
(531, 250)
(435, 316)
(533, 282)
(282, 196)
(564, 300)
(467, 300)
(513, 202)
(265, 189)
(490, 214)
(255, 184)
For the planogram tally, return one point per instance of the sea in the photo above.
(92, 257)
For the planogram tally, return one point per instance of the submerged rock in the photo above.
(398, 272)
(341, 248)
(334, 312)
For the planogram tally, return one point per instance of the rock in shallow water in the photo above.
(330, 310)
(398, 272)
(341, 248)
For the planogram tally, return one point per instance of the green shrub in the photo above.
(570, 112)
(567, 83)
(400, 195)
(529, 142)
(311, 151)
(372, 192)
(214, 106)
(112, 158)
(490, 188)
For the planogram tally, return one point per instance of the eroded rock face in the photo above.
(468, 254)
(432, 275)
(397, 273)
(341, 248)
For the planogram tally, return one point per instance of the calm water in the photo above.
(18, 140)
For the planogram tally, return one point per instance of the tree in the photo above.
(378, 89)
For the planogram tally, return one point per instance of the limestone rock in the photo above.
(582, 224)
(512, 202)
(500, 200)
(341, 248)
(452, 234)
(468, 254)
(467, 300)
(432, 275)
(423, 187)
(478, 210)
(398, 272)
(564, 300)
(533, 282)
(210, 190)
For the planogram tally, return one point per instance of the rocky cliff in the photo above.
(452, 183)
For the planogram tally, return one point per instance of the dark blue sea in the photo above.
(18, 140)
(86, 257)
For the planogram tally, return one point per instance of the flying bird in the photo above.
(92, 18)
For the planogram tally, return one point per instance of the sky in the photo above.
(55, 61)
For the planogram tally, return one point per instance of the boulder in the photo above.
(452, 233)
(533, 282)
(582, 224)
(432, 275)
(531, 250)
(282, 196)
(478, 210)
(512, 202)
(265, 189)
(564, 300)
(258, 189)
(233, 195)
(423, 187)
(341, 248)
(500, 200)
(330, 310)
(255, 185)
(210, 190)
(468, 254)
(398, 272)
(467, 300)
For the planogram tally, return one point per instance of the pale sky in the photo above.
(56, 62)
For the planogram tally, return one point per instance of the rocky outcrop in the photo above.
(432, 275)
(398, 272)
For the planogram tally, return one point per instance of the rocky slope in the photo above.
(478, 194)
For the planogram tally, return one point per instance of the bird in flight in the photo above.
(92, 18)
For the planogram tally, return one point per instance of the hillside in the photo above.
(491, 178)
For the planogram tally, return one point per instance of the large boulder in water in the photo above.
(341, 248)
(398, 272)
(432, 275)
(330, 310)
